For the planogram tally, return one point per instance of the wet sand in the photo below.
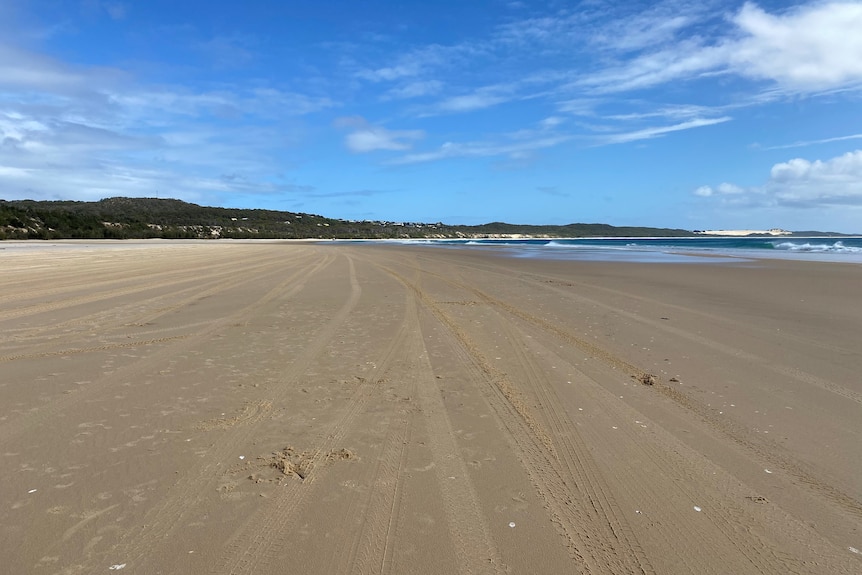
(261, 408)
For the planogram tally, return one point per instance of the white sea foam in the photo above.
(836, 247)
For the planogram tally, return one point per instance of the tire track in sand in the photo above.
(767, 451)
(108, 277)
(168, 516)
(665, 478)
(34, 351)
(371, 544)
(589, 505)
(474, 548)
(136, 287)
(219, 282)
(257, 544)
(533, 443)
(729, 350)
(593, 503)
(11, 429)
(748, 543)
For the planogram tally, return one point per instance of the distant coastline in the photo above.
(150, 218)
(743, 233)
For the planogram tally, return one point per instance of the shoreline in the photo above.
(582, 249)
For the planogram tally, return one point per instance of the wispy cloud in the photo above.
(686, 60)
(660, 24)
(470, 102)
(679, 111)
(802, 144)
(365, 137)
(22, 69)
(723, 189)
(415, 89)
(417, 61)
(480, 150)
(515, 145)
(808, 49)
(517, 150)
(546, 134)
(654, 132)
(530, 87)
(227, 51)
(586, 59)
(86, 132)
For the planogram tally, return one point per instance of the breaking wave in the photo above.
(835, 247)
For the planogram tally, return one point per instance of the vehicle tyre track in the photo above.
(14, 427)
(163, 520)
(137, 287)
(475, 549)
(767, 451)
(598, 508)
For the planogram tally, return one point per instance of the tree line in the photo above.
(140, 218)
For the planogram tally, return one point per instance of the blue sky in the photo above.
(699, 115)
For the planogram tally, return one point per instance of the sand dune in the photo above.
(276, 408)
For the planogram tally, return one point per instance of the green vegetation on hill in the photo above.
(128, 218)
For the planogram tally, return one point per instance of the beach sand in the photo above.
(262, 408)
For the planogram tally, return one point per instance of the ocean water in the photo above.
(669, 250)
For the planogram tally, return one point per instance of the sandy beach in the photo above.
(263, 408)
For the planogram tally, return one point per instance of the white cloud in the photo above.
(520, 144)
(516, 150)
(580, 57)
(85, 132)
(389, 73)
(804, 183)
(381, 139)
(153, 105)
(470, 102)
(721, 189)
(516, 145)
(687, 59)
(814, 47)
(416, 62)
(415, 89)
(551, 122)
(366, 137)
(658, 24)
(726, 188)
(25, 70)
(539, 30)
(799, 183)
(654, 132)
(667, 111)
(809, 49)
(579, 106)
(803, 144)
(494, 94)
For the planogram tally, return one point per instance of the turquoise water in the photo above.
(681, 250)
